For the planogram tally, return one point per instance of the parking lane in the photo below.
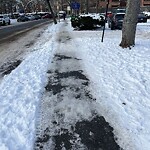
(18, 28)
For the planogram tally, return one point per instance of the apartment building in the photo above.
(97, 5)
(121, 3)
(145, 3)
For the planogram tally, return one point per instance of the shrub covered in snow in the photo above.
(87, 21)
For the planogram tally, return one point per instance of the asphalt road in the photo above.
(17, 29)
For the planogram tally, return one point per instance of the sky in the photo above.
(119, 80)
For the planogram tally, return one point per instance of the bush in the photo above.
(75, 21)
(85, 22)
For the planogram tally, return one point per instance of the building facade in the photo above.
(145, 3)
(121, 3)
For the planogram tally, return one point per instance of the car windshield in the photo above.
(120, 16)
(141, 15)
(121, 10)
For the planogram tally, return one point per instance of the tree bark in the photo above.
(130, 23)
(50, 8)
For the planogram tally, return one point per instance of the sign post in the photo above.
(105, 20)
(75, 6)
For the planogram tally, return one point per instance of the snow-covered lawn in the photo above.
(120, 81)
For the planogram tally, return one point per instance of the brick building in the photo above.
(121, 3)
(145, 3)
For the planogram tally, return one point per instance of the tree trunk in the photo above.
(51, 10)
(130, 23)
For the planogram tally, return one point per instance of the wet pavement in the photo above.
(92, 133)
(68, 119)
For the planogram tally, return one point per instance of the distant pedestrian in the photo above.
(64, 16)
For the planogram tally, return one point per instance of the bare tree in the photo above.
(7, 6)
(51, 10)
(130, 23)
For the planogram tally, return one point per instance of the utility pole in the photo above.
(105, 20)
(97, 6)
(86, 6)
(50, 8)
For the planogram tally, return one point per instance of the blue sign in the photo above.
(75, 5)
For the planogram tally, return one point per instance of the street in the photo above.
(7, 32)
(17, 40)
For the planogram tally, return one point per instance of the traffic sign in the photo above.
(75, 5)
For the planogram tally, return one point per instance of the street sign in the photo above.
(75, 5)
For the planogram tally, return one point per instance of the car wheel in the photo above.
(9, 22)
(112, 27)
(4, 23)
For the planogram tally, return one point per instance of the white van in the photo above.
(61, 13)
(4, 19)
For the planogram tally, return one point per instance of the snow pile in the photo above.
(119, 81)
(20, 93)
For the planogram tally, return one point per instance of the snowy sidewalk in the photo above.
(96, 79)
(68, 118)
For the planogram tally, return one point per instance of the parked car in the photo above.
(31, 17)
(4, 19)
(116, 21)
(37, 16)
(61, 14)
(147, 14)
(47, 16)
(142, 17)
(23, 19)
(119, 10)
(109, 14)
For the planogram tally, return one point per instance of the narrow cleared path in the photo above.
(67, 117)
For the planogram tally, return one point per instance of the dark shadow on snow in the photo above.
(8, 67)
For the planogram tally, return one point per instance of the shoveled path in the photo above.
(68, 119)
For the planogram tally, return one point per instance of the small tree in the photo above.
(130, 23)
